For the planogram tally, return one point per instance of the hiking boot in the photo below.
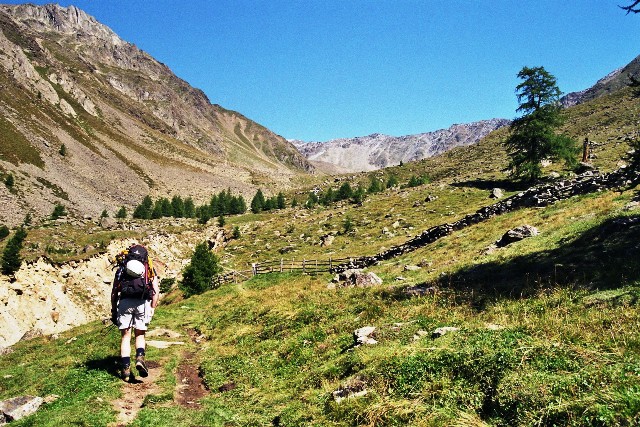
(125, 374)
(141, 366)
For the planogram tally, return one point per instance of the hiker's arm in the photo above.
(156, 293)
(114, 297)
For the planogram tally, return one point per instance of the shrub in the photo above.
(197, 275)
(4, 231)
(58, 211)
(9, 181)
(236, 232)
(166, 284)
(11, 260)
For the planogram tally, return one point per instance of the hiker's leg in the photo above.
(125, 343)
(140, 340)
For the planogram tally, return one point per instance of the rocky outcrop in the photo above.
(379, 151)
(46, 298)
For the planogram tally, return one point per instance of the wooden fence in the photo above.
(281, 266)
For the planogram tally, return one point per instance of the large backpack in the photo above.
(134, 275)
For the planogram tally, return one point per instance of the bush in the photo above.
(4, 231)
(9, 181)
(11, 260)
(58, 211)
(196, 277)
(166, 284)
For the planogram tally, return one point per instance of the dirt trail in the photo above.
(189, 385)
(134, 393)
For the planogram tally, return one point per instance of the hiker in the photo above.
(134, 297)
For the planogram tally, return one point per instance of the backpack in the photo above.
(134, 276)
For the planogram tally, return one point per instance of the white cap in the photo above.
(134, 268)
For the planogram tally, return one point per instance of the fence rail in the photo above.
(278, 266)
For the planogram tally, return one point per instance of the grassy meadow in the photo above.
(547, 328)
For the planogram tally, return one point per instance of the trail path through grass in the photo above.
(134, 393)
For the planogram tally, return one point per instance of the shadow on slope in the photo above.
(604, 257)
(489, 184)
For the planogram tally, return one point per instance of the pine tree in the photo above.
(280, 201)
(122, 213)
(197, 275)
(221, 221)
(392, 181)
(167, 209)
(375, 186)
(11, 260)
(344, 192)
(189, 208)
(236, 232)
(533, 136)
(258, 202)
(144, 209)
(177, 206)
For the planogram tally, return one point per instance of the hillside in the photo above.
(378, 151)
(85, 114)
(539, 332)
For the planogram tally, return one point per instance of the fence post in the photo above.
(304, 270)
(254, 268)
(330, 264)
(281, 261)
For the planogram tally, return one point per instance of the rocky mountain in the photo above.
(377, 151)
(91, 121)
(610, 83)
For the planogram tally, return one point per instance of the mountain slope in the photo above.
(610, 83)
(378, 151)
(122, 117)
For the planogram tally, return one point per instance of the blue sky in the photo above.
(322, 69)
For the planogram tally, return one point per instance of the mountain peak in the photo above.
(65, 20)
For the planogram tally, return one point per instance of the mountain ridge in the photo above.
(70, 81)
(377, 151)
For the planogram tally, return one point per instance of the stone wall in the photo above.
(538, 196)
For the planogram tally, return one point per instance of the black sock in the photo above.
(126, 361)
(139, 352)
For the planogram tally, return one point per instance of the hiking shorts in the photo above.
(134, 312)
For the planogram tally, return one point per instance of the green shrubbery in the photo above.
(11, 259)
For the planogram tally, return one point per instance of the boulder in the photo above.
(443, 331)
(517, 234)
(357, 278)
(19, 407)
(327, 240)
(364, 336)
(496, 193)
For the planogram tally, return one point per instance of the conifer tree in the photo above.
(4, 231)
(344, 192)
(258, 202)
(375, 186)
(122, 213)
(189, 208)
(280, 201)
(533, 136)
(144, 209)
(58, 211)
(197, 275)
(11, 259)
(177, 206)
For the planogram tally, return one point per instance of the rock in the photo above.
(327, 240)
(20, 407)
(517, 234)
(412, 268)
(108, 223)
(420, 334)
(364, 335)
(357, 278)
(55, 316)
(496, 193)
(431, 198)
(443, 331)
(354, 388)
